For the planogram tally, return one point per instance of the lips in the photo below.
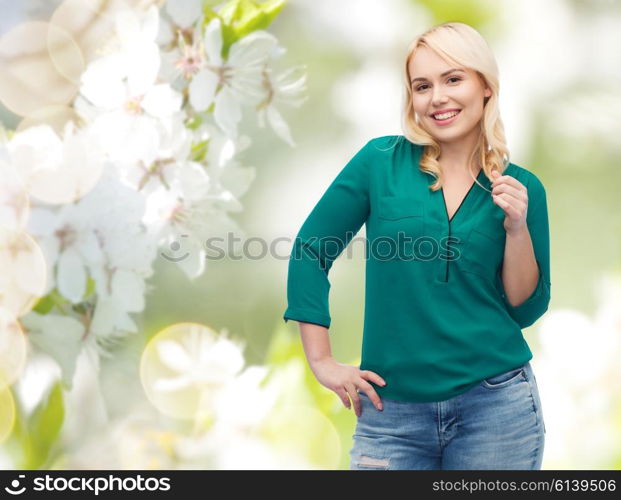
(443, 112)
(447, 121)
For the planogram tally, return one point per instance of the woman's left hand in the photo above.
(512, 196)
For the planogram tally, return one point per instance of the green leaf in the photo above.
(208, 14)
(242, 17)
(38, 434)
(257, 16)
(199, 150)
(90, 288)
(46, 303)
(194, 122)
(230, 12)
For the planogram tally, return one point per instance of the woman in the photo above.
(457, 264)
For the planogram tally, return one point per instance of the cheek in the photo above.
(471, 98)
(417, 105)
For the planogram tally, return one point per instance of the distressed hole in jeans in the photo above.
(367, 461)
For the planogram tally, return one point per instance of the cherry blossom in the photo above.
(231, 83)
(120, 96)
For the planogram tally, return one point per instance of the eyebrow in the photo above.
(443, 74)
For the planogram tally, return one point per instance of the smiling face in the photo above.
(437, 85)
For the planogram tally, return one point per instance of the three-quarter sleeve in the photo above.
(328, 229)
(529, 311)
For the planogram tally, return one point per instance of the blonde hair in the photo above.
(459, 44)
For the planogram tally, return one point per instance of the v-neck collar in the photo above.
(479, 177)
(437, 206)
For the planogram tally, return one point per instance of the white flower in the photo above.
(54, 169)
(125, 102)
(69, 246)
(101, 236)
(187, 202)
(285, 91)
(239, 78)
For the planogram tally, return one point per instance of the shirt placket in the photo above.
(449, 232)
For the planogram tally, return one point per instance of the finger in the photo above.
(369, 391)
(355, 398)
(373, 377)
(508, 203)
(500, 202)
(342, 393)
(377, 401)
(517, 207)
(511, 190)
(508, 180)
(498, 180)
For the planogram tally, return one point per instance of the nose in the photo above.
(438, 97)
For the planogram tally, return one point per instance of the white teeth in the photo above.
(444, 116)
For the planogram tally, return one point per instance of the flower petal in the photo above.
(228, 112)
(202, 89)
(184, 12)
(279, 125)
(213, 41)
(71, 275)
(144, 65)
(102, 81)
(252, 50)
(150, 23)
(161, 100)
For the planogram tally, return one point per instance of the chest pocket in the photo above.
(483, 252)
(399, 207)
(400, 223)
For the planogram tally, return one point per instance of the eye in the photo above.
(449, 78)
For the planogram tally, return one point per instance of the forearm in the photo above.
(519, 271)
(316, 341)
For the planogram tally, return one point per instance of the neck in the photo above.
(455, 156)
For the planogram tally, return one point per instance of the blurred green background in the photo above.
(560, 99)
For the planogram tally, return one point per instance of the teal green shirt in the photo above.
(436, 318)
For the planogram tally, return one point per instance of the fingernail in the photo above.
(380, 407)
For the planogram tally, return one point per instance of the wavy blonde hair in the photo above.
(459, 44)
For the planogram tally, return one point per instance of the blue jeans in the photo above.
(497, 424)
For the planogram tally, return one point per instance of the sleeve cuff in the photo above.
(307, 317)
(528, 311)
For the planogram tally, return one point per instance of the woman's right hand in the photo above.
(344, 380)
